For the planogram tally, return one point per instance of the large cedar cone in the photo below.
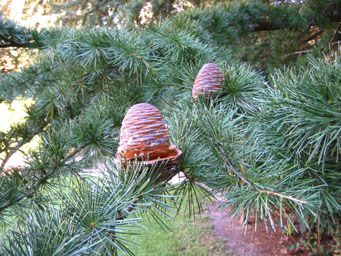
(208, 81)
(144, 137)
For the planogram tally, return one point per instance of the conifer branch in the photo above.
(7, 42)
(12, 35)
(230, 167)
(19, 144)
(251, 184)
(42, 180)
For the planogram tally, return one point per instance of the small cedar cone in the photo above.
(144, 136)
(208, 80)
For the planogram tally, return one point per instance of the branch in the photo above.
(5, 45)
(20, 144)
(12, 35)
(330, 13)
(297, 53)
(336, 35)
(237, 173)
(12, 43)
(229, 166)
(313, 36)
(42, 180)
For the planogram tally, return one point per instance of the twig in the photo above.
(297, 53)
(334, 37)
(230, 166)
(36, 186)
(19, 145)
(8, 42)
(283, 196)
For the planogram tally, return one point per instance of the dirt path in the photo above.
(229, 230)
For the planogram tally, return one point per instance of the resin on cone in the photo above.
(144, 136)
(208, 81)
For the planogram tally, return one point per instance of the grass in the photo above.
(188, 237)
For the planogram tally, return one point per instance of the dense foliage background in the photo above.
(270, 143)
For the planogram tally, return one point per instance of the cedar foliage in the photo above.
(270, 144)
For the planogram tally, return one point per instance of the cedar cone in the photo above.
(144, 136)
(208, 80)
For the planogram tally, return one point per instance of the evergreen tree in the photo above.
(270, 145)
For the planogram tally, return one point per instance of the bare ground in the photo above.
(259, 243)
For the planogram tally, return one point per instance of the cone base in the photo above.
(166, 166)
